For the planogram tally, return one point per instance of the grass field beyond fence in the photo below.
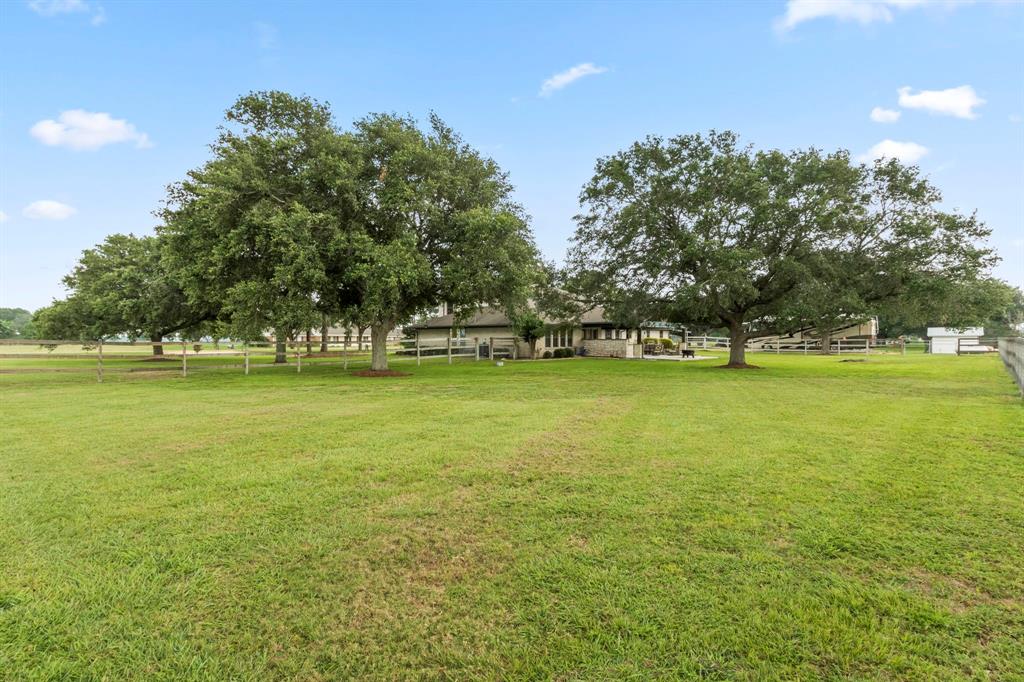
(573, 519)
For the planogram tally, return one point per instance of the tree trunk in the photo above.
(737, 345)
(533, 349)
(280, 352)
(323, 335)
(309, 340)
(379, 344)
(157, 338)
(825, 335)
(359, 332)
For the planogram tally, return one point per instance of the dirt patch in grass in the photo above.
(854, 360)
(739, 365)
(380, 373)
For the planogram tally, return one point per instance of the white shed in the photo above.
(947, 341)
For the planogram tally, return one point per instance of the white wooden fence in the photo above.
(1012, 353)
(183, 354)
(783, 345)
(490, 347)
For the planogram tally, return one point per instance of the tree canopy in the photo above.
(700, 230)
(121, 287)
(294, 220)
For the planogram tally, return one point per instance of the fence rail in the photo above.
(186, 356)
(784, 345)
(492, 347)
(104, 357)
(1011, 350)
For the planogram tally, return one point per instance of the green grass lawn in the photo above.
(576, 519)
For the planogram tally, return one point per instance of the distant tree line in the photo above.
(296, 224)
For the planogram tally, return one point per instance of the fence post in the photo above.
(867, 346)
(778, 345)
(839, 346)
(490, 347)
(344, 353)
(476, 347)
(298, 358)
(99, 363)
(417, 349)
(449, 350)
(184, 358)
(903, 346)
(515, 348)
(805, 346)
(246, 352)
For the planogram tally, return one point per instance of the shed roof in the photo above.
(955, 333)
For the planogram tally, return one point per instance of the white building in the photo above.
(945, 341)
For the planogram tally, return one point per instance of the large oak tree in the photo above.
(249, 230)
(700, 230)
(434, 222)
(122, 286)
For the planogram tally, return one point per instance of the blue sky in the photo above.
(102, 104)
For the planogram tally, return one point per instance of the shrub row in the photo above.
(559, 353)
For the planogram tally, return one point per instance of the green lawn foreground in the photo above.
(575, 519)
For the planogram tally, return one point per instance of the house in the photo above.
(592, 334)
(350, 335)
(946, 341)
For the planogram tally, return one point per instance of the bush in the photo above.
(559, 353)
(547, 355)
(669, 344)
(569, 353)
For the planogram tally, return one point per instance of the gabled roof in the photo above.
(493, 317)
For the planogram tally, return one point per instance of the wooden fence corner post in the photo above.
(490, 348)
(99, 362)
(476, 347)
(417, 348)
(246, 352)
(298, 358)
(449, 349)
(184, 358)
(344, 353)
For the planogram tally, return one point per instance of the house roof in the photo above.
(492, 317)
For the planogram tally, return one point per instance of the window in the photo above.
(661, 333)
(608, 334)
(558, 338)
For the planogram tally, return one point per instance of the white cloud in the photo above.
(52, 8)
(905, 152)
(1015, 118)
(860, 11)
(81, 129)
(959, 102)
(561, 80)
(49, 8)
(4, 217)
(880, 115)
(47, 209)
